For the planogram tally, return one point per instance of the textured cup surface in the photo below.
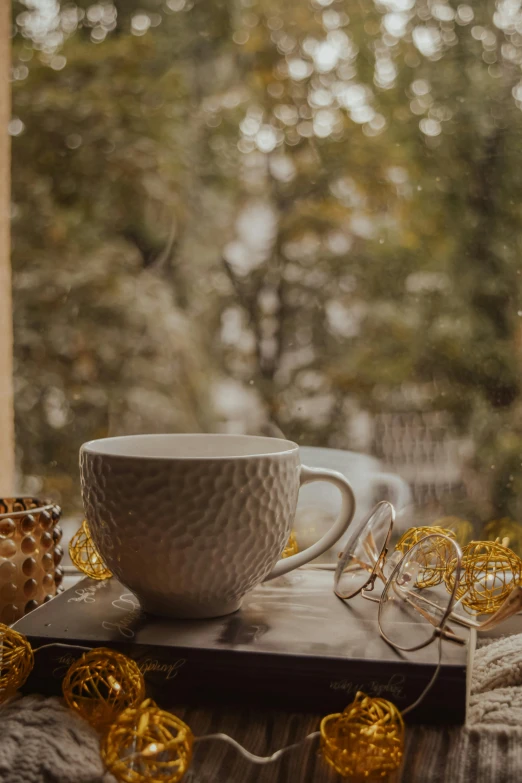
(190, 523)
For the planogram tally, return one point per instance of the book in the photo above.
(293, 645)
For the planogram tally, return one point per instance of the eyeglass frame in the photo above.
(510, 606)
(379, 562)
(438, 630)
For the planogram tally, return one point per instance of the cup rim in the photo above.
(92, 447)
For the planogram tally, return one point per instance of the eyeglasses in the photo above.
(417, 601)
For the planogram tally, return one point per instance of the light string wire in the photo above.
(250, 756)
(430, 684)
(207, 737)
(64, 646)
(241, 750)
(254, 759)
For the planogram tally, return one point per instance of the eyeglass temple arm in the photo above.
(378, 572)
(511, 606)
(377, 557)
(378, 569)
(450, 635)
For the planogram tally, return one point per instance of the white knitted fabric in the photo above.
(41, 741)
(489, 748)
(496, 692)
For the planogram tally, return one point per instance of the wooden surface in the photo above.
(6, 329)
(448, 754)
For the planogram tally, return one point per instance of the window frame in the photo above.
(7, 440)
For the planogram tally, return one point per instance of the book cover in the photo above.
(293, 644)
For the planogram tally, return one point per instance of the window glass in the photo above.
(297, 218)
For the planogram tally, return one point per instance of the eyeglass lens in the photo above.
(362, 550)
(416, 600)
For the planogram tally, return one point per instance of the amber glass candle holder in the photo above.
(30, 556)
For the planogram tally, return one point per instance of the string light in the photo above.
(291, 547)
(102, 684)
(144, 744)
(147, 745)
(490, 571)
(16, 661)
(85, 556)
(366, 740)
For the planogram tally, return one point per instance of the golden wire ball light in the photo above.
(489, 573)
(148, 745)
(291, 547)
(16, 661)
(85, 556)
(366, 740)
(102, 684)
(435, 554)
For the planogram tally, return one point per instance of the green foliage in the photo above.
(318, 201)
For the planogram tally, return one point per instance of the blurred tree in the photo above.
(100, 344)
(332, 189)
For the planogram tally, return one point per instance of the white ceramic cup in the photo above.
(191, 523)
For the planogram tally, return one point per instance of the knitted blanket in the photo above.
(43, 742)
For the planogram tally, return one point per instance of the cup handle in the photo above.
(334, 533)
(400, 490)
